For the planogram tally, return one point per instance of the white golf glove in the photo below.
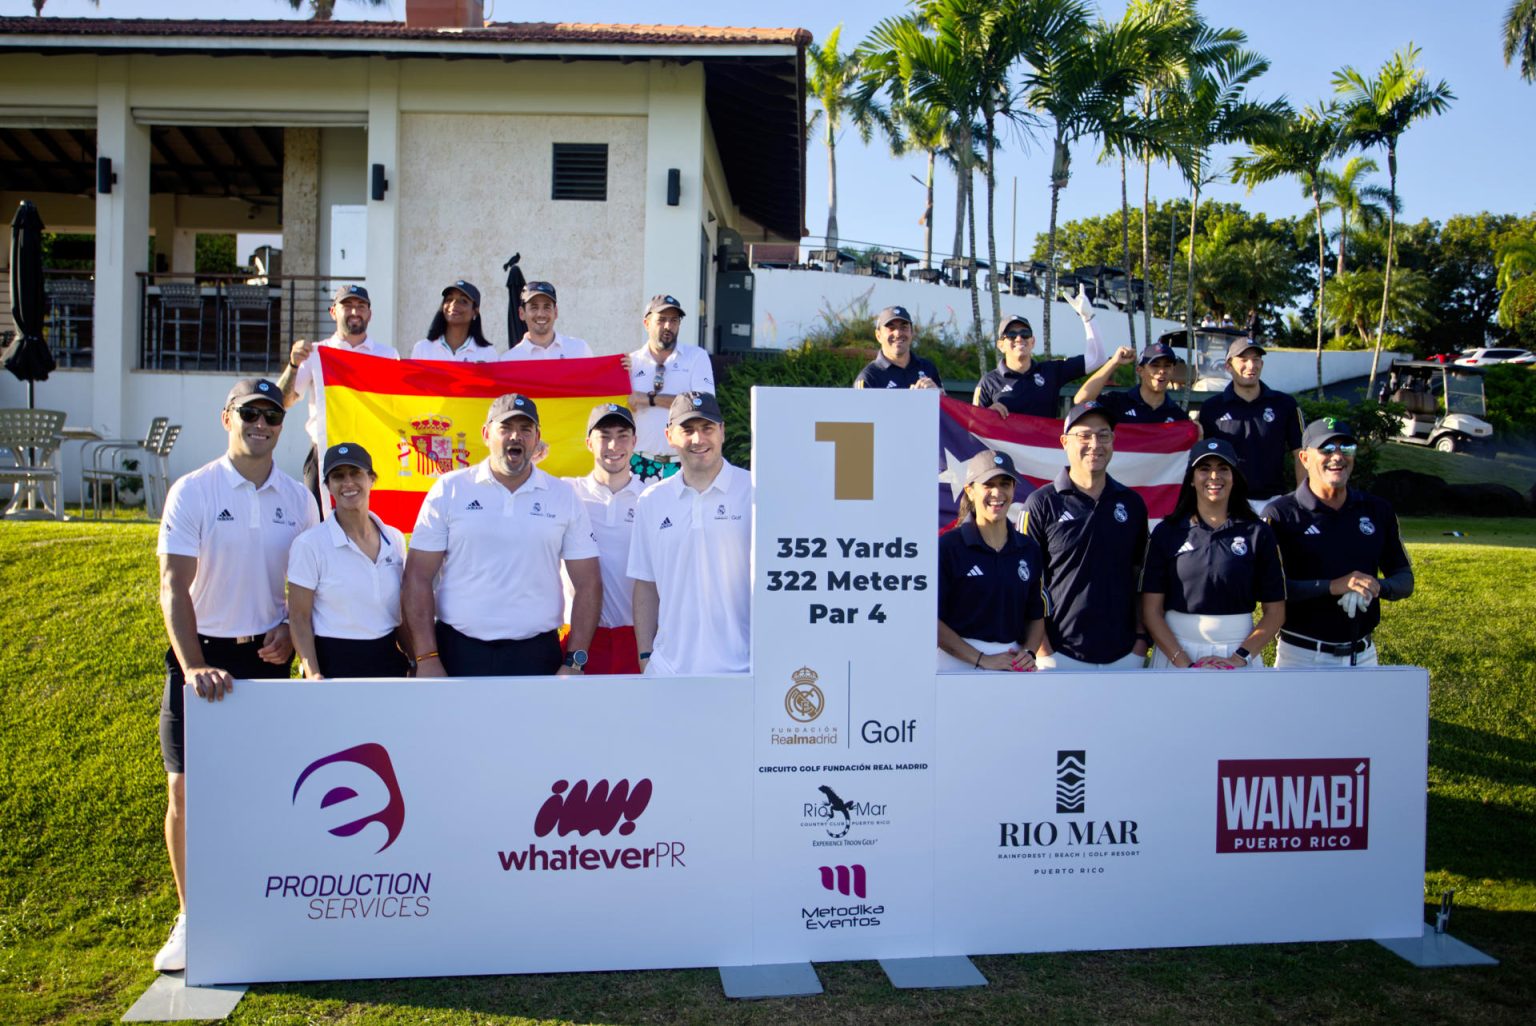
(1080, 303)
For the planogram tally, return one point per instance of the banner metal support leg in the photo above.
(937, 972)
(1431, 950)
(169, 999)
(788, 979)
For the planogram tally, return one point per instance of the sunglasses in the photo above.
(1015, 336)
(271, 414)
(1338, 447)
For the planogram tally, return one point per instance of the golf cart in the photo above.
(1445, 404)
(1208, 371)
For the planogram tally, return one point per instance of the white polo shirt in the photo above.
(355, 597)
(240, 535)
(439, 349)
(697, 547)
(564, 347)
(612, 516)
(501, 572)
(309, 372)
(687, 369)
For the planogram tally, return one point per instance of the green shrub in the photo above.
(1517, 311)
(806, 367)
(1511, 391)
(1373, 424)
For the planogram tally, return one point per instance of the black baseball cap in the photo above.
(512, 404)
(987, 464)
(466, 288)
(1239, 346)
(350, 291)
(1158, 351)
(1082, 410)
(664, 302)
(254, 388)
(346, 454)
(1324, 430)
(689, 405)
(1013, 319)
(1219, 448)
(604, 413)
(538, 288)
(892, 313)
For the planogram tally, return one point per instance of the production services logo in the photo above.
(830, 819)
(582, 809)
(1072, 842)
(804, 703)
(1292, 805)
(847, 882)
(385, 893)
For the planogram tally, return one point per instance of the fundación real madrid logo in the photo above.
(434, 451)
(804, 700)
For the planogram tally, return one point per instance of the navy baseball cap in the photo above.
(1158, 351)
(892, 313)
(538, 288)
(694, 404)
(254, 388)
(1239, 346)
(1219, 448)
(466, 288)
(1082, 410)
(609, 415)
(350, 291)
(512, 405)
(346, 454)
(987, 464)
(664, 302)
(1012, 319)
(1324, 430)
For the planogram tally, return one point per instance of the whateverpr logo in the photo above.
(598, 808)
(1292, 805)
(1051, 839)
(1071, 778)
(850, 882)
(374, 758)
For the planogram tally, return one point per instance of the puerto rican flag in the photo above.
(1149, 458)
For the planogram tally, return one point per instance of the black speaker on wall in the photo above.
(380, 184)
(674, 186)
(104, 176)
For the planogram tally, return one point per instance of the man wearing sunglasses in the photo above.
(223, 548)
(1022, 384)
(1342, 553)
(659, 372)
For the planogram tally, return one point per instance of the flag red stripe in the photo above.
(552, 379)
(1045, 432)
(398, 508)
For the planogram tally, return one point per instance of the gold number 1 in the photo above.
(853, 457)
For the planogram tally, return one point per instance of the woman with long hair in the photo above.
(456, 333)
(1207, 566)
(991, 612)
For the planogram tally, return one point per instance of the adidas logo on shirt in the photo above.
(224, 516)
(1312, 529)
(474, 504)
(975, 571)
(1186, 547)
(1066, 515)
(666, 522)
(890, 384)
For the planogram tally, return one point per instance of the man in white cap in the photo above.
(659, 371)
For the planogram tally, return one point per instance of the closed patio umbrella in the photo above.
(516, 329)
(29, 357)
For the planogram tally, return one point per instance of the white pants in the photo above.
(1292, 656)
(1200, 636)
(950, 664)
(1058, 661)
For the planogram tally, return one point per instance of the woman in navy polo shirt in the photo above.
(1207, 566)
(991, 613)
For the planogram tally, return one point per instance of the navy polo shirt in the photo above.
(1034, 391)
(1093, 552)
(1213, 571)
(1319, 543)
(1263, 432)
(882, 373)
(989, 595)
(1129, 406)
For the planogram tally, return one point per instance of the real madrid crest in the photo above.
(1239, 546)
(1366, 527)
(1024, 570)
(1039, 380)
(1269, 415)
(1120, 513)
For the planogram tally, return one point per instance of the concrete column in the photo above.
(384, 148)
(122, 244)
(184, 251)
(301, 200)
(675, 127)
(162, 218)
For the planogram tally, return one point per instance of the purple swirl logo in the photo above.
(374, 758)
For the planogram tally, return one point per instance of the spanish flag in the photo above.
(420, 419)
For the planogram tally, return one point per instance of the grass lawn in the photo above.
(85, 897)
(1516, 470)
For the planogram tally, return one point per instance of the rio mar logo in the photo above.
(1071, 780)
(804, 700)
(374, 758)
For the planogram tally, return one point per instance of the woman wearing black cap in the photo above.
(991, 613)
(1207, 565)
(344, 580)
(456, 333)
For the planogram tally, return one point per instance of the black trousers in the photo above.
(238, 660)
(464, 656)
(352, 657)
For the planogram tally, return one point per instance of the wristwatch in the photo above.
(1243, 654)
(578, 658)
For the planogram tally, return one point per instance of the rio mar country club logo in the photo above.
(804, 703)
(584, 809)
(1292, 805)
(387, 892)
(1079, 840)
(830, 819)
(850, 883)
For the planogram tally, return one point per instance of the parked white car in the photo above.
(1488, 357)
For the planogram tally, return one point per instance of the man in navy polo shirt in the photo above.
(1022, 384)
(1093, 532)
(1263, 425)
(1334, 541)
(1143, 403)
(896, 367)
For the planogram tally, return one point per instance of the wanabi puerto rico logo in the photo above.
(582, 809)
(850, 882)
(1292, 805)
(832, 818)
(1062, 846)
(804, 703)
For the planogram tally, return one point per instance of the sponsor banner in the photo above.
(487, 826)
(1106, 834)
(844, 607)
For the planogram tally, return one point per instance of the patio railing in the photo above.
(69, 324)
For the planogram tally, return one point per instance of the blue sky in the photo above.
(1476, 157)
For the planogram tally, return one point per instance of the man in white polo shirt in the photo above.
(539, 309)
(659, 371)
(498, 532)
(691, 555)
(223, 548)
(351, 309)
(610, 493)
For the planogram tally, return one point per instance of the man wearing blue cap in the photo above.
(539, 309)
(1143, 403)
(1263, 424)
(896, 366)
(1022, 384)
(659, 371)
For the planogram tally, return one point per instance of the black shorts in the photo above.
(239, 660)
(464, 656)
(351, 657)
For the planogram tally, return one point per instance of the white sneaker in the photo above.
(172, 956)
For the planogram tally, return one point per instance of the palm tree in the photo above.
(1516, 258)
(922, 128)
(1378, 110)
(1352, 297)
(1298, 149)
(833, 77)
(1520, 37)
(1358, 205)
(321, 10)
